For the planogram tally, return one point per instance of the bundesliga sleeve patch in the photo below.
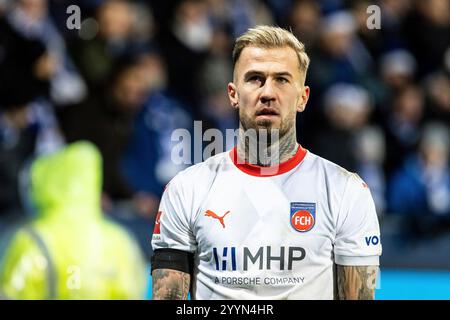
(157, 229)
(303, 216)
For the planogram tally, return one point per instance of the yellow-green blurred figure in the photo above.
(70, 251)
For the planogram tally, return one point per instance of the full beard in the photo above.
(286, 124)
(268, 145)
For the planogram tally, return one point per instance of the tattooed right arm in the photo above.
(170, 284)
(356, 282)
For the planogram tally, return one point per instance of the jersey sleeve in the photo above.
(357, 241)
(172, 226)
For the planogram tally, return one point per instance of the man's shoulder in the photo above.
(333, 172)
(201, 173)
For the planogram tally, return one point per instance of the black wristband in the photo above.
(173, 259)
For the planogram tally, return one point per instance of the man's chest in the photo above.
(264, 224)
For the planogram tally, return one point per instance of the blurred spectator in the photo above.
(397, 69)
(184, 45)
(438, 96)
(280, 9)
(27, 123)
(394, 14)
(304, 19)
(68, 251)
(338, 57)
(188, 38)
(23, 60)
(347, 109)
(239, 15)
(17, 145)
(420, 189)
(330, 6)
(121, 32)
(341, 56)
(372, 39)
(106, 119)
(403, 125)
(214, 75)
(370, 155)
(147, 165)
(3, 6)
(191, 26)
(428, 34)
(30, 19)
(217, 69)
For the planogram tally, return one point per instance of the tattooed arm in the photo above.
(170, 284)
(356, 282)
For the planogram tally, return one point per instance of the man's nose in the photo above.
(268, 92)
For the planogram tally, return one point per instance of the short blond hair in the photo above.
(271, 37)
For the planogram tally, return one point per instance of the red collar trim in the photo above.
(259, 171)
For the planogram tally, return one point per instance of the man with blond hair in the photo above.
(268, 219)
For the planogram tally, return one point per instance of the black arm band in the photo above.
(173, 259)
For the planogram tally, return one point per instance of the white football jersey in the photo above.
(272, 233)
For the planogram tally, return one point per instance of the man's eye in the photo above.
(254, 78)
(282, 80)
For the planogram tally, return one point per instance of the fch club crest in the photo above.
(303, 216)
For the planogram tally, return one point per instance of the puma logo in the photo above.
(213, 215)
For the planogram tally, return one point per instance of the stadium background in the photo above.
(137, 70)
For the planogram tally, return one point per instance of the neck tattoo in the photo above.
(265, 148)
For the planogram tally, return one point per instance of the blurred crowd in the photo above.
(137, 70)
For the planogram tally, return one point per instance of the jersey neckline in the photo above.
(259, 171)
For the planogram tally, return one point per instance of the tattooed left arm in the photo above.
(170, 284)
(356, 282)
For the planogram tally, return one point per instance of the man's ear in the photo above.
(303, 100)
(233, 95)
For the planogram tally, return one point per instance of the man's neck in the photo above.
(267, 152)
